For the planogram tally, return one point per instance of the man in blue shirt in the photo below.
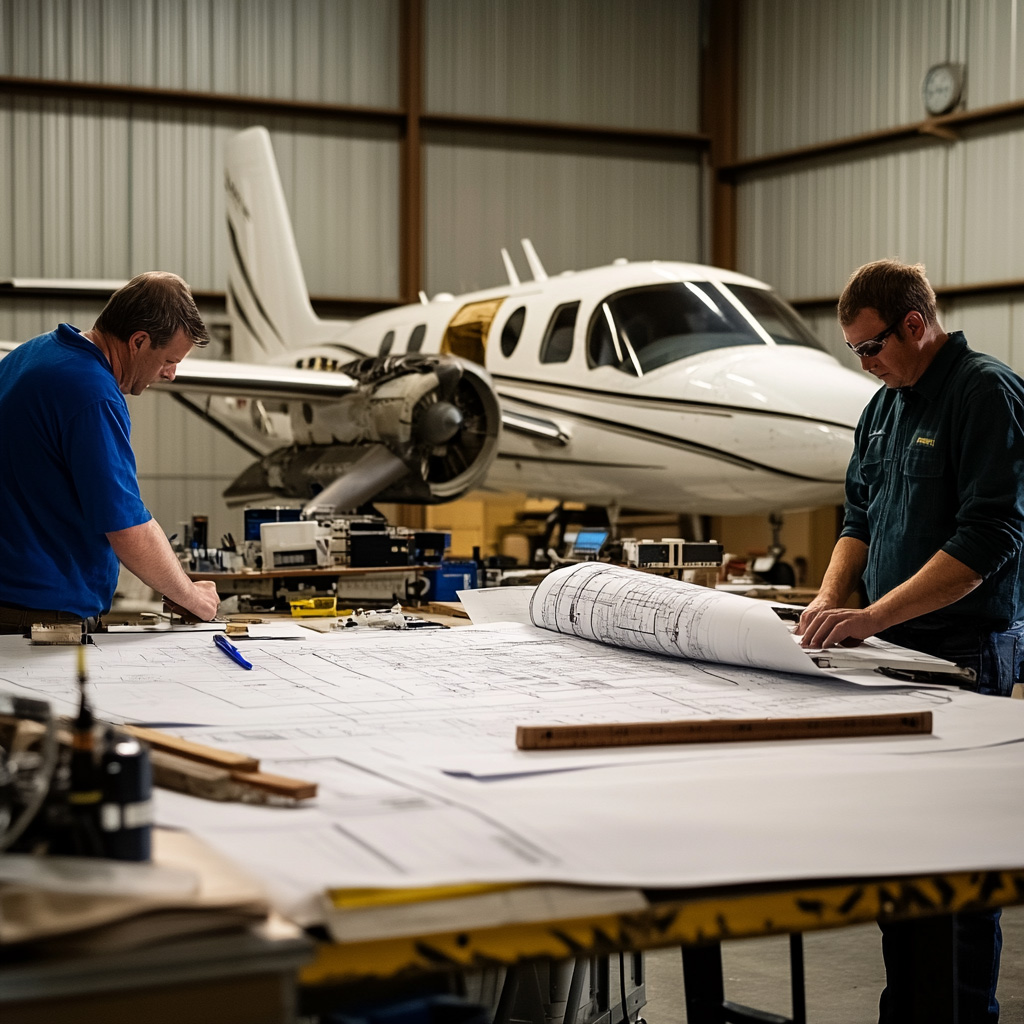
(934, 526)
(69, 494)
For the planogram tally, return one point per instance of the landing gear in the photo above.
(774, 570)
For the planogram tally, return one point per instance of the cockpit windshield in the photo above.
(637, 331)
(776, 316)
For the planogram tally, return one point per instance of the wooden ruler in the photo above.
(723, 730)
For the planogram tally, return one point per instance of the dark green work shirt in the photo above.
(940, 466)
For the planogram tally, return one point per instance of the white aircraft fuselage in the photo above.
(749, 427)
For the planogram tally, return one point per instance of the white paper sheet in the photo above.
(487, 605)
(731, 821)
(372, 718)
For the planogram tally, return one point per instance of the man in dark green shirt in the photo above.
(934, 526)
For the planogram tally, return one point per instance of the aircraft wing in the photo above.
(251, 380)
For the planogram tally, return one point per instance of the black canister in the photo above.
(126, 813)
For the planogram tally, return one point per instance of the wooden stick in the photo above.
(194, 751)
(725, 730)
(280, 785)
(171, 771)
(237, 767)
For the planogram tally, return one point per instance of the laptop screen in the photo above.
(589, 542)
(256, 517)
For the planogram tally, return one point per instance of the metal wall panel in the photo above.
(107, 190)
(342, 192)
(995, 52)
(804, 229)
(332, 51)
(610, 62)
(992, 326)
(815, 70)
(580, 209)
(985, 206)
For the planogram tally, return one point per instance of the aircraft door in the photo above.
(466, 336)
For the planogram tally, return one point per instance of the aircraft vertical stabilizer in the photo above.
(267, 296)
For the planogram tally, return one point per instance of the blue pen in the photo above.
(230, 650)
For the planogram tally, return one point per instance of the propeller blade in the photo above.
(377, 469)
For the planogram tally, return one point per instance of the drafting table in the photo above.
(692, 921)
(749, 843)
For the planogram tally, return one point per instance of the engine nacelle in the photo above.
(437, 414)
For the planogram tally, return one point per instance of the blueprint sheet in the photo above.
(451, 699)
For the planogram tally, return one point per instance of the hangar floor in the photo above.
(843, 970)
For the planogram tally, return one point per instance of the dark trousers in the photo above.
(996, 659)
(17, 620)
(977, 942)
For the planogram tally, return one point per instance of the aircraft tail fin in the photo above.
(268, 301)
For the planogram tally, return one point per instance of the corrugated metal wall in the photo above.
(333, 51)
(633, 64)
(104, 189)
(593, 62)
(819, 70)
(580, 209)
(814, 70)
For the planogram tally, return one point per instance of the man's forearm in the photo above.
(941, 581)
(145, 551)
(845, 568)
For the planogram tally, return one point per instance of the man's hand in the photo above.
(200, 607)
(823, 626)
(206, 600)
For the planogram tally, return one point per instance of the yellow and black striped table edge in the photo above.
(682, 921)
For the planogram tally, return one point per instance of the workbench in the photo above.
(370, 584)
(237, 978)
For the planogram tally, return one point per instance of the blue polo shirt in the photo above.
(67, 475)
(940, 466)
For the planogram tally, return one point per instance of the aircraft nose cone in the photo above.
(806, 406)
(440, 423)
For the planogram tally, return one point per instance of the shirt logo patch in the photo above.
(928, 442)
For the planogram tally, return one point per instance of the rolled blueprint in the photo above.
(629, 608)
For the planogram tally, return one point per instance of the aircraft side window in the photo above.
(385, 345)
(416, 338)
(511, 331)
(557, 344)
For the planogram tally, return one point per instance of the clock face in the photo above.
(941, 88)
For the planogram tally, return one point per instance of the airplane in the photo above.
(661, 386)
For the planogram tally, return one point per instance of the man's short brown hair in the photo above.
(891, 288)
(157, 302)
